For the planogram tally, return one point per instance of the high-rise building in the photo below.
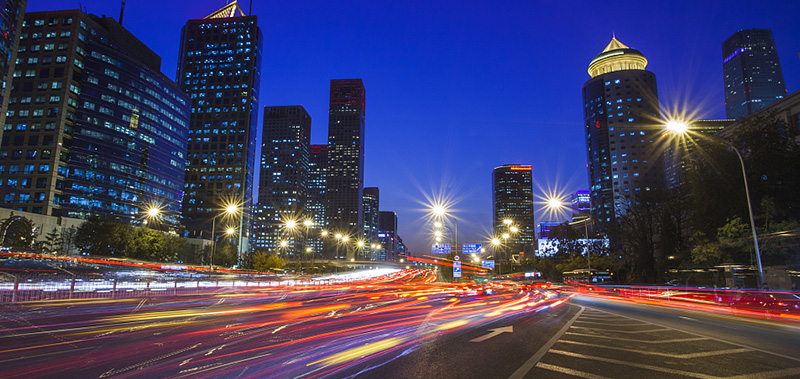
(93, 128)
(387, 234)
(622, 124)
(11, 16)
(283, 180)
(317, 185)
(371, 208)
(346, 157)
(581, 205)
(219, 67)
(512, 199)
(752, 72)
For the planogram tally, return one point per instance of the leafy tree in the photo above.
(266, 262)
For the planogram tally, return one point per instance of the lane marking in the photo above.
(637, 365)
(789, 372)
(796, 359)
(494, 332)
(534, 359)
(679, 356)
(636, 340)
(607, 324)
(568, 371)
(626, 331)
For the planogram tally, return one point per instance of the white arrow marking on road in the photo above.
(494, 332)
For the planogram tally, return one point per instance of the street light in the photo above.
(440, 211)
(681, 128)
(555, 203)
(230, 209)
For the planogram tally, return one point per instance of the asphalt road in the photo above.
(399, 329)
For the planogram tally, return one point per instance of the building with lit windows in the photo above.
(371, 209)
(387, 235)
(751, 71)
(219, 67)
(512, 199)
(93, 128)
(622, 126)
(346, 120)
(581, 205)
(283, 180)
(317, 185)
(11, 14)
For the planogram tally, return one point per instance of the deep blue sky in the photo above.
(455, 89)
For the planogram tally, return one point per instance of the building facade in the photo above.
(622, 127)
(387, 235)
(11, 17)
(371, 208)
(751, 71)
(346, 120)
(512, 199)
(317, 186)
(581, 202)
(219, 67)
(283, 180)
(93, 127)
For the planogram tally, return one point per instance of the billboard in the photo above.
(440, 248)
(471, 248)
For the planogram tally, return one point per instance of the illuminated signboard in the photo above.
(471, 248)
(440, 248)
(488, 264)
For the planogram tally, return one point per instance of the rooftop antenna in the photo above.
(121, 12)
(250, 11)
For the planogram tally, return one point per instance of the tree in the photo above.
(67, 243)
(52, 241)
(266, 262)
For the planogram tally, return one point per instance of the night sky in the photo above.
(455, 89)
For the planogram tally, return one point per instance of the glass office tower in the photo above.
(219, 67)
(752, 72)
(512, 199)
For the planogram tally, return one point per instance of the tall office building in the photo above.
(11, 15)
(346, 157)
(219, 67)
(93, 128)
(512, 199)
(387, 235)
(317, 186)
(752, 72)
(622, 124)
(283, 180)
(371, 208)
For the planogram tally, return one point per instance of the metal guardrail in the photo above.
(30, 287)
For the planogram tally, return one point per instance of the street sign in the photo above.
(457, 269)
(488, 264)
(471, 248)
(441, 248)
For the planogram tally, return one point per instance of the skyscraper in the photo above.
(317, 186)
(93, 128)
(512, 199)
(622, 124)
(752, 72)
(371, 208)
(11, 15)
(283, 181)
(346, 157)
(581, 205)
(387, 234)
(219, 67)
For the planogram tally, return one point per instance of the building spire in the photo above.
(228, 10)
(615, 44)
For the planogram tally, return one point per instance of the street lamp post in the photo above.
(440, 211)
(229, 210)
(680, 128)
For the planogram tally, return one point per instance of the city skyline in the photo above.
(495, 93)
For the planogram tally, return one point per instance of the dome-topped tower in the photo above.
(617, 57)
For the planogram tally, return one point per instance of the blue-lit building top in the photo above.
(545, 230)
(752, 72)
(219, 67)
(581, 205)
(93, 128)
